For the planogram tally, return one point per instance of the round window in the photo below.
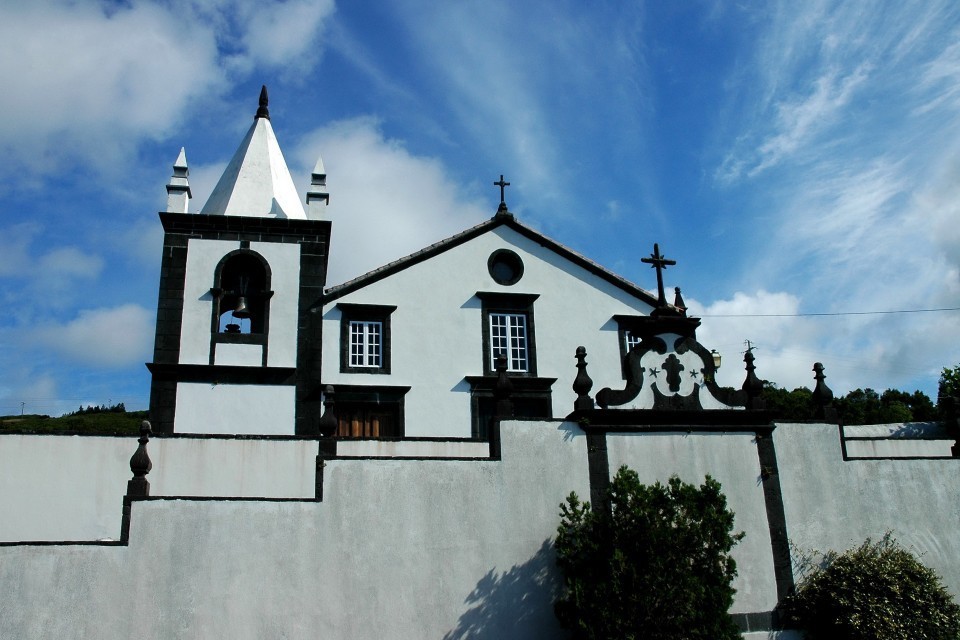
(505, 267)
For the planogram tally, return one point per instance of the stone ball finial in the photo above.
(327, 425)
(140, 464)
(822, 395)
(582, 383)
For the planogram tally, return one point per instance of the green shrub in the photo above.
(878, 591)
(655, 565)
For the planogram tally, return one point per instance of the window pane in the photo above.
(366, 344)
(508, 335)
(373, 344)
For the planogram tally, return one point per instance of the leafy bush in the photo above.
(878, 591)
(655, 565)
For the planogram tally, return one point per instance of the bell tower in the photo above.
(237, 350)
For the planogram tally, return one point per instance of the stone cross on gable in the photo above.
(659, 263)
(502, 185)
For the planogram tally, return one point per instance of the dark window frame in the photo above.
(349, 398)
(518, 303)
(532, 398)
(353, 312)
(626, 325)
(512, 260)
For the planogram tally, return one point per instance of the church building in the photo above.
(471, 387)
(249, 340)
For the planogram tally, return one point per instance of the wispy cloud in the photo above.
(386, 201)
(848, 142)
(106, 337)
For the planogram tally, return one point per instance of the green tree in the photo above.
(878, 591)
(917, 406)
(788, 405)
(948, 393)
(655, 564)
(860, 406)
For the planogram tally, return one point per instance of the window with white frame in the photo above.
(365, 338)
(366, 344)
(508, 336)
(509, 329)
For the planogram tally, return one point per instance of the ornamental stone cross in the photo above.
(673, 368)
(500, 183)
(659, 263)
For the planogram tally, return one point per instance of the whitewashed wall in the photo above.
(731, 458)
(202, 259)
(263, 409)
(437, 331)
(834, 504)
(399, 548)
(72, 487)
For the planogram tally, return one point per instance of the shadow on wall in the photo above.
(514, 604)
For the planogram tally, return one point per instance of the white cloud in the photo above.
(50, 271)
(69, 262)
(384, 201)
(106, 337)
(282, 33)
(786, 346)
(879, 351)
(92, 80)
(80, 80)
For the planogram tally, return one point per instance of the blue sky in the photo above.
(794, 158)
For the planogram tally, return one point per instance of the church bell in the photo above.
(242, 310)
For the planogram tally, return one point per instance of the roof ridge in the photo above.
(498, 220)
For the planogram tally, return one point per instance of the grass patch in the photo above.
(106, 423)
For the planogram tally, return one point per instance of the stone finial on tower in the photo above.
(679, 303)
(318, 191)
(262, 110)
(178, 189)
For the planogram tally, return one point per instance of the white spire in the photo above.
(178, 189)
(257, 182)
(318, 191)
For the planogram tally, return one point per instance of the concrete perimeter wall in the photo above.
(832, 503)
(401, 548)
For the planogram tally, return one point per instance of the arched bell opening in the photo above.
(241, 294)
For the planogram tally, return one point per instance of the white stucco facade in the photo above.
(203, 407)
(202, 259)
(437, 328)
